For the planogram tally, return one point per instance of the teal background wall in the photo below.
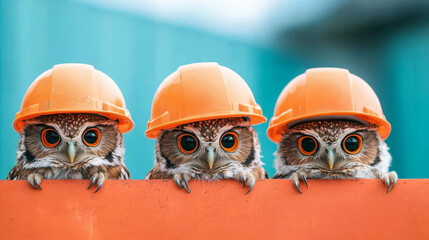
(139, 52)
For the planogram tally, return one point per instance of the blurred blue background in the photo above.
(267, 42)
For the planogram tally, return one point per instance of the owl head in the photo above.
(331, 145)
(70, 140)
(207, 149)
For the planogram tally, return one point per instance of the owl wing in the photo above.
(17, 173)
(260, 173)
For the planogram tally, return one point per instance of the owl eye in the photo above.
(91, 137)
(307, 145)
(352, 144)
(187, 143)
(229, 141)
(50, 138)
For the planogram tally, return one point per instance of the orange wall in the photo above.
(136, 209)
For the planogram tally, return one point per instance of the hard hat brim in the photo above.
(125, 123)
(275, 131)
(155, 131)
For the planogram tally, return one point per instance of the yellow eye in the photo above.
(307, 145)
(352, 144)
(229, 141)
(187, 143)
(50, 138)
(91, 137)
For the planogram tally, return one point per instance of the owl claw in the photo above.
(178, 182)
(296, 183)
(393, 179)
(304, 179)
(98, 188)
(32, 184)
(186, 190)
(99, 178)
(92, 182)
(35, 179)
(393, 183)
(301, 174)
(182, 181)
(187, 185)
(389, 180)
(246, 178)
(180, 185)
(38, 184)
(252, 183)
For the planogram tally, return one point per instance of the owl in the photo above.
(333, 150)
(70, 146)
(209, 150)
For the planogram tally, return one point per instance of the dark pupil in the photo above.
(308, 144)
(90, 137)
(352, 144)
(188, 143)
(228, 141)
(52, 137)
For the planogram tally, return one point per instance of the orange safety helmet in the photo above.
(326, 93)
(198, 92)
(74, 88)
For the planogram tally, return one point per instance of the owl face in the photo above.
(330, 145)
(70, 140)
(336, 149)
(209, 147)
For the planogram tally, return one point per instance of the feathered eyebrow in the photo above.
(42, 125)
(298, 133)
(102, 125)
(360, 131)
(182, 131)
(235, 127)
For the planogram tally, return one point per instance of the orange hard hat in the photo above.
(198, 92)
(327, 93)
(74, 88)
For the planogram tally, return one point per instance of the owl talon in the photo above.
(301, 174)
(393, 179)
(178, 183)
(99, 178)
(389, 180)
(92, 182)
(252, 183)
(304, 179)
(187, 185)
(246, 178)
(98, 188)
(38, 184)
(31, 183)
(100, 181)
(186, 190)
(296, 183)
(388, 185)
(181, 180)
(394, 183)
(35, 179)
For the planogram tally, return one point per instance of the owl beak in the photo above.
(331, 157)
(210, 156)
(71, 151)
